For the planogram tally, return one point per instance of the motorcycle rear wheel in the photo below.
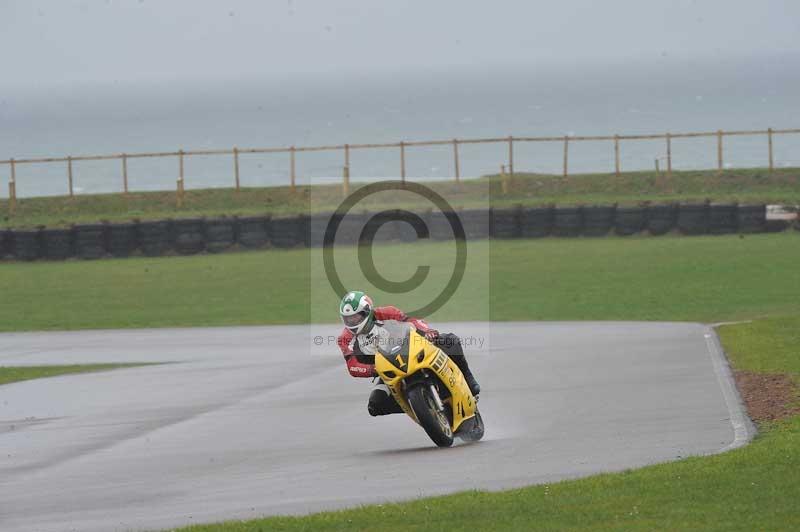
(435, 422)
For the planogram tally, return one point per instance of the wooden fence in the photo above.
(293, 151)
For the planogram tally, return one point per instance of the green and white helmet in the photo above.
(357, 312)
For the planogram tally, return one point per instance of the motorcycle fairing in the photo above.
(410, 353)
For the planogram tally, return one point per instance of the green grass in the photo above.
(9, 374)
(752, 488)
(667, 278)
(745, 185)
(764, 346)
(705, 279)
(754, 185)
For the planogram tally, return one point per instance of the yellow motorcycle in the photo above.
(427, 385)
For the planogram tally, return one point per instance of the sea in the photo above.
(110, 117)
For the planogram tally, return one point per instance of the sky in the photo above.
(105, 76)
(58, 43)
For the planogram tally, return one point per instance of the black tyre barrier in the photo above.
(57, 244)
(122, 239)
(188, 236)
(400, 231)
(567, 221)
(90, 241)
(302, 229)
(722, 219)
(439, 225)
(693, 219)
(751, 218)
(26, 244)
(290, 232)
(536, 222)
(661, 219)
(477, 223)
(630, 220)
(505, 223)
(317, 224)
(776, 226)
(395, 226)
(251, 231)
(220, 234)
(5, 244)
(598, 220)
(154, 237)
(387, 232)
(349, 230)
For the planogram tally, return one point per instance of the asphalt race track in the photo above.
(254, 421)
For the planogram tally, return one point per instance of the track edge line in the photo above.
(743, 428)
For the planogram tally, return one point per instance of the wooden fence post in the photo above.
(69, 175)
(293, 175)
(511, 155)
(346, 171)
(616, 155)
(769, 143)
(181, 190)
(455, 160)
(179, 195)
(236, 166)
(403, 161)
(669, 155)
(12, 189)
(566, 155)
(125, 173)
(719, 151)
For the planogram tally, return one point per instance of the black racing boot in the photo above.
(451, 344)
(474, 387)
(381, 402)
(461, 362)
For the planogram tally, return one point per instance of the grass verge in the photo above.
(751, 488)
(668, 278)
(9, 374)
(743, 185)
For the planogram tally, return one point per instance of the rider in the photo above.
(362, 321)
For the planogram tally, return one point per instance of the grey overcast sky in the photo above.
(58, 42)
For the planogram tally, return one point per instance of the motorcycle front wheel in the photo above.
(433, 420)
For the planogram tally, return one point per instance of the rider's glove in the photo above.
(431, 335)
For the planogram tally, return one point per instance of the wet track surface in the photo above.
(258, 420)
